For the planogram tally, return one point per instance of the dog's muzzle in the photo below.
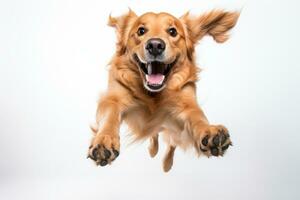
(155, 72)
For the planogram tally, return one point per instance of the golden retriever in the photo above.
(152, 85)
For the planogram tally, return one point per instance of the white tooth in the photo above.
(162, 80)
(149, 68)
(147, 78)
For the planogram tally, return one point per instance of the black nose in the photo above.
(155, 46)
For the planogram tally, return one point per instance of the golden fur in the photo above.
(172, 112)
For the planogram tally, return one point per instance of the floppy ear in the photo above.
(215, 23)
(122, 24)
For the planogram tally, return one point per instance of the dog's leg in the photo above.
(153, 147)
(105, 145)
(209, 139)
(168, 159)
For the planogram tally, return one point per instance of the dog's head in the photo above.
(158, 42)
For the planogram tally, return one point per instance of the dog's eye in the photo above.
(172, 32)
(141, 31)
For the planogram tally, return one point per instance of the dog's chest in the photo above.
(140, 119)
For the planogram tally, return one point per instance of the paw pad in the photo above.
(102, 155)
(216, 141)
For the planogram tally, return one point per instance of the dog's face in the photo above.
(157, 43)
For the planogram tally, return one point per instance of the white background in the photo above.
(53, 66)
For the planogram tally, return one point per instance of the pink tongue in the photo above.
(155, 78)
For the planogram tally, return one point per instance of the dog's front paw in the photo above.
(104, 149)
(214, 140)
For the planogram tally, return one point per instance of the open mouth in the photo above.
(155, 73)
